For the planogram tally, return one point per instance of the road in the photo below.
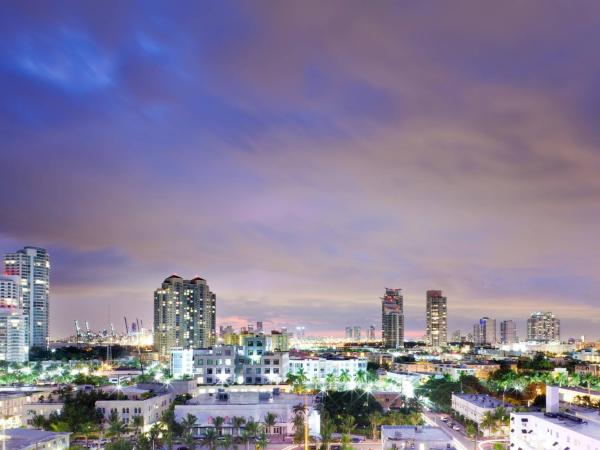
(462, 441)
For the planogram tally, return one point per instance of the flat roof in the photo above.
(421, 433)
(483, 400)
(247, 398)
(20, 437)
(589, 429)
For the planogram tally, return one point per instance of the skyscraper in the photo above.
(184, 315)
(32, 266)
(543, 327)
(12, 320)
(357, 332)
(508, 332)
(349, 333)
(437, 319)
(485, 331)
(371, 335)
(392, 318)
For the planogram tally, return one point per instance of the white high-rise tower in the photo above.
(12, 322)
(32, 266)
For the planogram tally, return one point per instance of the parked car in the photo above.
(456, 428)
(444, 419)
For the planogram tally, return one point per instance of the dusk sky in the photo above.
(302, 156)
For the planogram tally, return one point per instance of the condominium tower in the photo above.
(508, 332)
(543, 327)
(184, 315)
(484, 332)
(12, 321)
(392, 318)
(32, 266)
(437, 319)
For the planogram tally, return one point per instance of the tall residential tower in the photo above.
(508, 332)
(12, 321)
(543, 327)
(184, 315)
(437, 319)
(32, 266)
(484, 332)
(392, 318)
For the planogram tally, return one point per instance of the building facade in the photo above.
(508, 332)
(184, 315)
(484, 332)
(392, 318)
(32, 266)
(543, 327)
(437, 319)
(12, 320)
(475, 406)
(319, 370)
(150, 409)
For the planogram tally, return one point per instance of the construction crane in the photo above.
(126, 327)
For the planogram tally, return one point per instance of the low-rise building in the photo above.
(411, 437)
(253, 406)
(474, 406)
(137, 402)
(44, 409)
(15, 402)
(26, 439)
(316, 369)
(555, 429)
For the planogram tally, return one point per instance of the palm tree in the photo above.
(348, 424)
(344, 377)
(346, 442)
(262, 441)
(138, 424)
(210, 438)
(226, 442)
(300, 380)
(218, 422)
(375, 420)
(360, 377)
(188, 423)
(501, 415)
(252, 428)
(237, 422)
(270, 421)
(562, 378)
(116, 427)
(330, 380)
(327, 429)
(489, 422)
(188, 439)
(245, 439)
(87, 429)
(154, 435)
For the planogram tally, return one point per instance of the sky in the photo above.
(303, 156)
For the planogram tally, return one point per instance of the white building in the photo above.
(475, 406)
(227, 364)
(12, 320)
(23, 439)
(554, 429)
(137, 403)
(317, 369)
(32, 266)
(411, 437)
(253, 406)
(16, 402)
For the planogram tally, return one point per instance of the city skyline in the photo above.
(301, 159)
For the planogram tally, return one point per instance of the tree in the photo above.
(360, 377)
(245, 439)
(489, 422)
(375, 421)
(498, 446)
(346, 443)
(330, 380)
(116, 427)
(218, 422)
(237, 422)
(210, 438)
(344, 377)
(262, 441)
(270, 421)
(138, 424)
(348, 424)
(188, 439)
(226, 442)
(119, 444)
(154, 435)
(39, 421)
(143, 442)
(327, 429)
(188, 423)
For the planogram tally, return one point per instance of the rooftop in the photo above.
(19, 438)
(589, 429)
(418, 434)
(483, 401)
(246, 398)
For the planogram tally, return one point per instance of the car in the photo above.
(449, 424)
(355, 440)
(444, 419)
(456, 428)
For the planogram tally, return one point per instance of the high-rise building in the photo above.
(184, 315)
(349, 333)
(437, 319)
(259, 327)
(392, 318)
(32, 266)
(456, 336)
(508, 332)
(357, 332)
(484, 332)
(371, 336)
(543, 327)
(12, 320)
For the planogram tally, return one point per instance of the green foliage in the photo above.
(119, 444)
(356, 404)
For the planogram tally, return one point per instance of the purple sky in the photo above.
(302, 156)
